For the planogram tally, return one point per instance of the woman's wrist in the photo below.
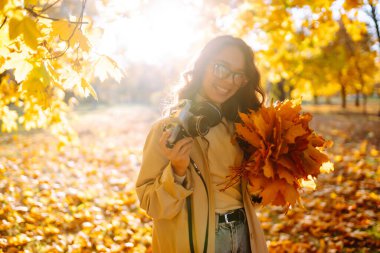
(179, 170)
(179, 179)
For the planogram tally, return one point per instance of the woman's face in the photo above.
(224, 75)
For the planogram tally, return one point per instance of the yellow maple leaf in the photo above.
(87, 87)
(20, 63)
(30, 2)
(106, 67)
(62, 28)
(14, 28)
(71, 33)
(31, 33)
(26, 27)
(3, 3)
(350, 4)
(79, 38)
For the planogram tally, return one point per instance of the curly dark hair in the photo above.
(246, 98)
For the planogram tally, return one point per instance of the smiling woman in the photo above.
(153, 31)
(180, 184)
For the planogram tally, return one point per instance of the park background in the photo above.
(82, 81)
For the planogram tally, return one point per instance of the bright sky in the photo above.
(162, 31)
(152, 31)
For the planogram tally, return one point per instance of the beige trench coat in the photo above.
(165, 201)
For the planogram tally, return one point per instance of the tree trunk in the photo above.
(343, 93)
(316, 102)
(373, 16)
(364, 103)
(281, 89)
(357, 98)
(291, 88)
(328, 100)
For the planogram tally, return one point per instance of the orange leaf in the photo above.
(268, 168)
(316, 155)
(286, 162)
(289, 110)
(270, 191)
(279, 200)
(260, 125)
(290, 193)
(294, 132)
(316, 140)
(251, 137)
(247, 121)
(256, 184)
(285, 174)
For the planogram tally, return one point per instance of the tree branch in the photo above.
(78, 25)
(5, 20)
(35, 14)
(49, 6)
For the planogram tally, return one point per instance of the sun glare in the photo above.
(153, 32)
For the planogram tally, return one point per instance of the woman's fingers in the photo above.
(164, 138)
(180, 150)
(186, 149)
(181, 144)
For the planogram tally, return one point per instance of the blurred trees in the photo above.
(309, 48)
(314, 48)
(44, 55)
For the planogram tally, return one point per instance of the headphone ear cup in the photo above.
(211, 112)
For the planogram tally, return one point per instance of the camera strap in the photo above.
(189, 212)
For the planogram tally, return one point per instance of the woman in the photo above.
(183, 187)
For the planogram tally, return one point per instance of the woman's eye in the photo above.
(223, 71)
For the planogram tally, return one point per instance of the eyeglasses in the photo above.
(221, 71)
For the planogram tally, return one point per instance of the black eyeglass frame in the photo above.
(228, 72)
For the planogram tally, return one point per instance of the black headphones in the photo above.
(208, 110)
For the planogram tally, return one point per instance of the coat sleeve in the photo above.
(160, 196)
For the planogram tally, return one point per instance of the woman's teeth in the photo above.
(221, 89)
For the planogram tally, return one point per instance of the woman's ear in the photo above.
(244, 84)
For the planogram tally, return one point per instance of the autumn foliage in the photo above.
(282, 152)
(46, 63)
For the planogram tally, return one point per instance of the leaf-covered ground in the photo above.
(81, 199)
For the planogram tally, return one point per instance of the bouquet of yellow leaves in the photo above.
(282, 153)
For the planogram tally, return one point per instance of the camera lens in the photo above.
(198, 126)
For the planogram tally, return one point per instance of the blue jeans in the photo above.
(232, 237)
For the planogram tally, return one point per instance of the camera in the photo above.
(191, 120)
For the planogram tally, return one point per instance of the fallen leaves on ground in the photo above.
(79, 199)
(82, 199)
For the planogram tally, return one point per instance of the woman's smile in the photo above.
(221, 90)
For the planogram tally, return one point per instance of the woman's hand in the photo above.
(179, 155)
